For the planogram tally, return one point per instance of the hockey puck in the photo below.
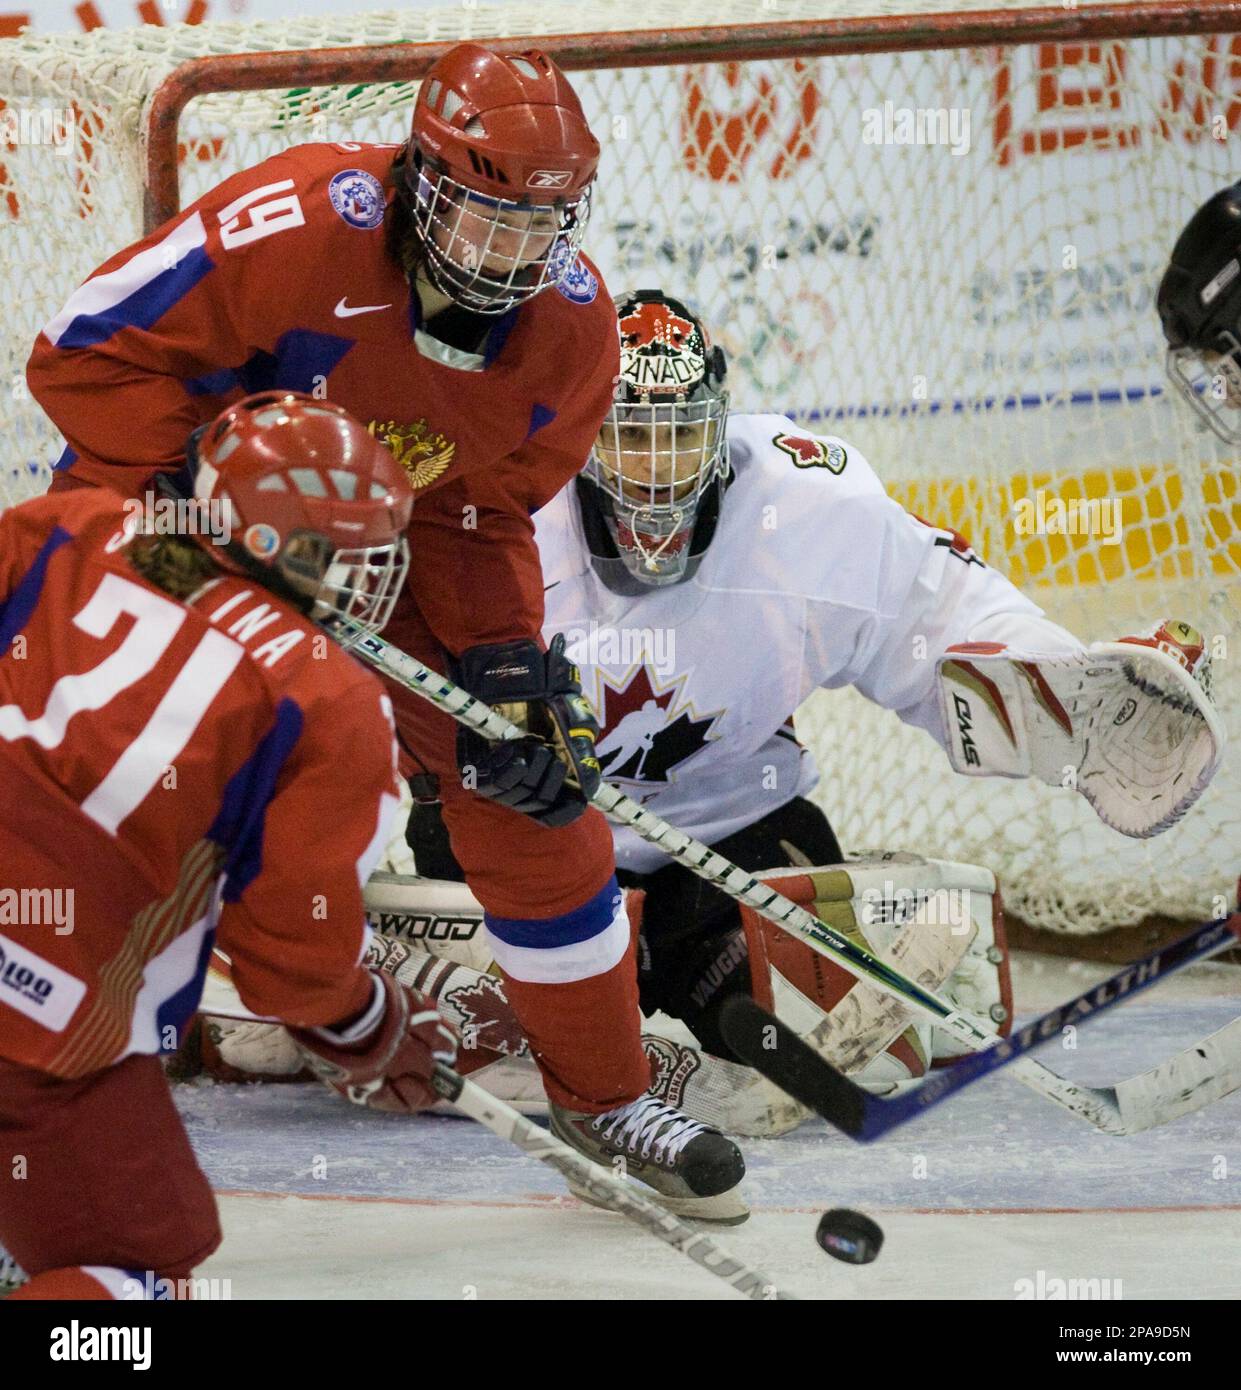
(849, 1236)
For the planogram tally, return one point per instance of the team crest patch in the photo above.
(262, 540)
(672, 1066)
(812, 453)
(575, 281)
(422, 452)
(358, 197)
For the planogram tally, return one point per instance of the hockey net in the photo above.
(936, 235)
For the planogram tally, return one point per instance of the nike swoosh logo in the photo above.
(343, 312)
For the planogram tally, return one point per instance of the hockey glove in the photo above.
(551, 773)
(389, 1066)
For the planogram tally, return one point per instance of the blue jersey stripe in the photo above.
(540, 415)
(15, 611)
(498, 336)
(593, 918)
(144, 307)
(243, 810)
(175, 1012)
(303, 359)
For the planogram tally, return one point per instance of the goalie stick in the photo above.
(1178, 1086)
(623, 1198)
(700, 859)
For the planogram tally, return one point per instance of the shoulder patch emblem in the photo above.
(812, 453)
(578, 284)
(358, 198)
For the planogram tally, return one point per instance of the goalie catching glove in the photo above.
(385, 1058)
(1129, 724)
(551, 773)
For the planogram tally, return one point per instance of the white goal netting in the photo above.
(948, 257)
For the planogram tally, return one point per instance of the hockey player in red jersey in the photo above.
(172, 722)
(437, 291)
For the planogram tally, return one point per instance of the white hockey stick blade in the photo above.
(1202, 1074)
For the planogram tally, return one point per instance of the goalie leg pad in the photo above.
(924, 915)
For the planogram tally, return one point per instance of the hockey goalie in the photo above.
(710, 570)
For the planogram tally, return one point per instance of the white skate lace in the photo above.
(641, 1121)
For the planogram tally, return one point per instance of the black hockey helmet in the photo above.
(1199, 304)
(651, 491)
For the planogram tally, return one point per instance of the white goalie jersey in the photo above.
(815, 577)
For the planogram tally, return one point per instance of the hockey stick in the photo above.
(700, 859)
(621, 1197)
(618, 1196)
(1178, 1086)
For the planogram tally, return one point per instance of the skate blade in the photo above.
(725, 1209)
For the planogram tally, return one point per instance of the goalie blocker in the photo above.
(939, 921)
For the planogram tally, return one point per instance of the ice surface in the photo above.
(321, 1200)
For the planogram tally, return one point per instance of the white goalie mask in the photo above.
(662, 453)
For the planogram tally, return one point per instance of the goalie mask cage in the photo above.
(935, 234)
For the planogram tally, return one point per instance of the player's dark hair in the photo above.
(400, 239)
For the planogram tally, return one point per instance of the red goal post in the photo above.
(600, 51)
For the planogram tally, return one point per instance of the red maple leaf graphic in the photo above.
(487, 1019)
(809, 451)
(619, 703)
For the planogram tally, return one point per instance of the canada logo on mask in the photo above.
(661, 350)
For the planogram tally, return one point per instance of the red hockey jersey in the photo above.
(279, 277)
(170, 774)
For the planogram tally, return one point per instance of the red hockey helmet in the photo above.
(312, 505)
(498, 176)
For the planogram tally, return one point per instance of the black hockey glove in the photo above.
(552, 772)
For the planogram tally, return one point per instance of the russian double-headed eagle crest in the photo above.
(422, 452)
